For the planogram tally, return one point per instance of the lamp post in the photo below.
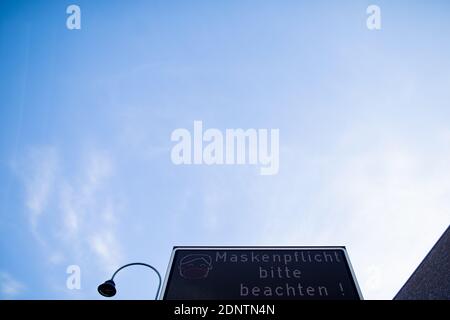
(108, 288)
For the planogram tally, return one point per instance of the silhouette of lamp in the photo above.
(108, 288)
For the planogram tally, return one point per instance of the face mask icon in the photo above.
(195, 266)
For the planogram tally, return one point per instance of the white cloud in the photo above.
(105, 245)
(373, 279)
(99, 167)
(38, 171)
(69, 209)
(81, 209)
(56, 258)
(9, 286)
(394, 205)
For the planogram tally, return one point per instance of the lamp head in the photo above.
(107, 289)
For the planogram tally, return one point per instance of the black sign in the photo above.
(287, 273)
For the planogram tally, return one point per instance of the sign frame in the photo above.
(343, 249)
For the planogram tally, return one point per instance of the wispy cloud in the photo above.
(80, 220)
(389, 194)
(38, 170)
(9, 286)
(104, 245)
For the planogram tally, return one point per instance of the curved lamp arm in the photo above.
(137, 264)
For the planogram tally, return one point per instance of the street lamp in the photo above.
(108, 288)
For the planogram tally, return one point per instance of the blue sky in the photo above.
(86, 116)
